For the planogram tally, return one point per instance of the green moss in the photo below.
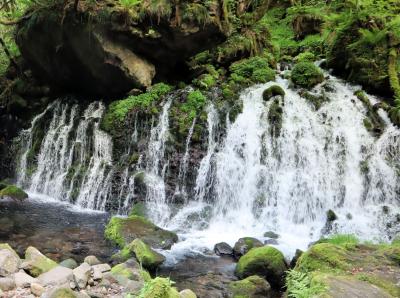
(252, 286)
(147, 257)
(264, 261)
(122, 270)
(251, 71)
(113, 231)
(393, 72)
(272, 91)
(38, 263)
(138, 209)
(159, 288)
(306, 75)
(324, 257)
(117, 111)
(305, 57)
(13, 192)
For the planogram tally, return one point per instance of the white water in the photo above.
(288, 184)
(72, 143)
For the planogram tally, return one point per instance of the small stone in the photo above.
(7, 283)
(187, 294)
(92, 260)
(56, 277)
(82, 274)
(271, 235)
(69, 263)
(72, 285)
(9, 262)
(37, 289)
(23, 280)
(223, 249)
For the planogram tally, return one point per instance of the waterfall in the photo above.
(321, 160)
(75, 157)
(156, 166)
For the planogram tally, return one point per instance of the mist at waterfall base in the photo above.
(248, 182)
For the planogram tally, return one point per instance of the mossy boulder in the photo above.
(146, 256)
(159, 287)
(264, 261)
(37, 263)
(250, 287)
(272, 91)
(13, 192)
(123, 231)
(306, 75)
(243, 245)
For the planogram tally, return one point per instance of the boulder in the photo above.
(37, 263)
(37, 289)
(187, 294)
(243, 245)
(273, 91)
(92, 260)
(9, 262)
(251, 287)
(7, 283)
(23, 280)
(98, 271)
(13, 192)
(271, 235)
(267, 262)
(69, 263)
(146, 256)
(306, 75)
(123, 231)
(82, 274)
(223, 249)
(57, 276)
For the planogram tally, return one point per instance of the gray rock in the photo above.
(23, 280)
(271, 242)
(102, 268)
(37, 289)
(271, 235)
(69, 263)
(36, 262)
(243, 245)
(92, 260)
(82, 275)
(7, 283)
(58, 276)
(9, 262)
(187, 294)
(223, 249)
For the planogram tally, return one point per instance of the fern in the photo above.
(300, 285)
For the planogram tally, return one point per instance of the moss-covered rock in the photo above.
(243, 245)
(306, 75)
(147, 257)
(123, 231)
(272, 91)
(13, 192)
(37, 262)
(250, 287)
(159, 288)
(264, 261)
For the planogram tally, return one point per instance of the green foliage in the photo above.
(306, 74)
(300, 285)
(113, 231)
(252, 286)
(158, 288)
(118, 110)
(346, 240)
(129, 3)
(305, 57)
(252, 70)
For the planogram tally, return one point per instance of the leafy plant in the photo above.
(300, 285)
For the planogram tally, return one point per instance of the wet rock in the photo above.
(123, 231)
(7, 283)
(223, 249)
(296, 257)
(69, 263)
(9, 262)
(271, 235)
(37, 289)
(82, 274)
(37, 263)
(23, 280)
(251, 287)
(57, 276)
(271, 242)
(267, 262)
(92, 260)
(243, 245)
(146, 256)
(187, 294)
(273, 91)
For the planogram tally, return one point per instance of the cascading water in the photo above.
(288, 183)
(75, 157)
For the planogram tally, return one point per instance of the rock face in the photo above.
(110, 52)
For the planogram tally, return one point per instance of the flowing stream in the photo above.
(250, 180)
